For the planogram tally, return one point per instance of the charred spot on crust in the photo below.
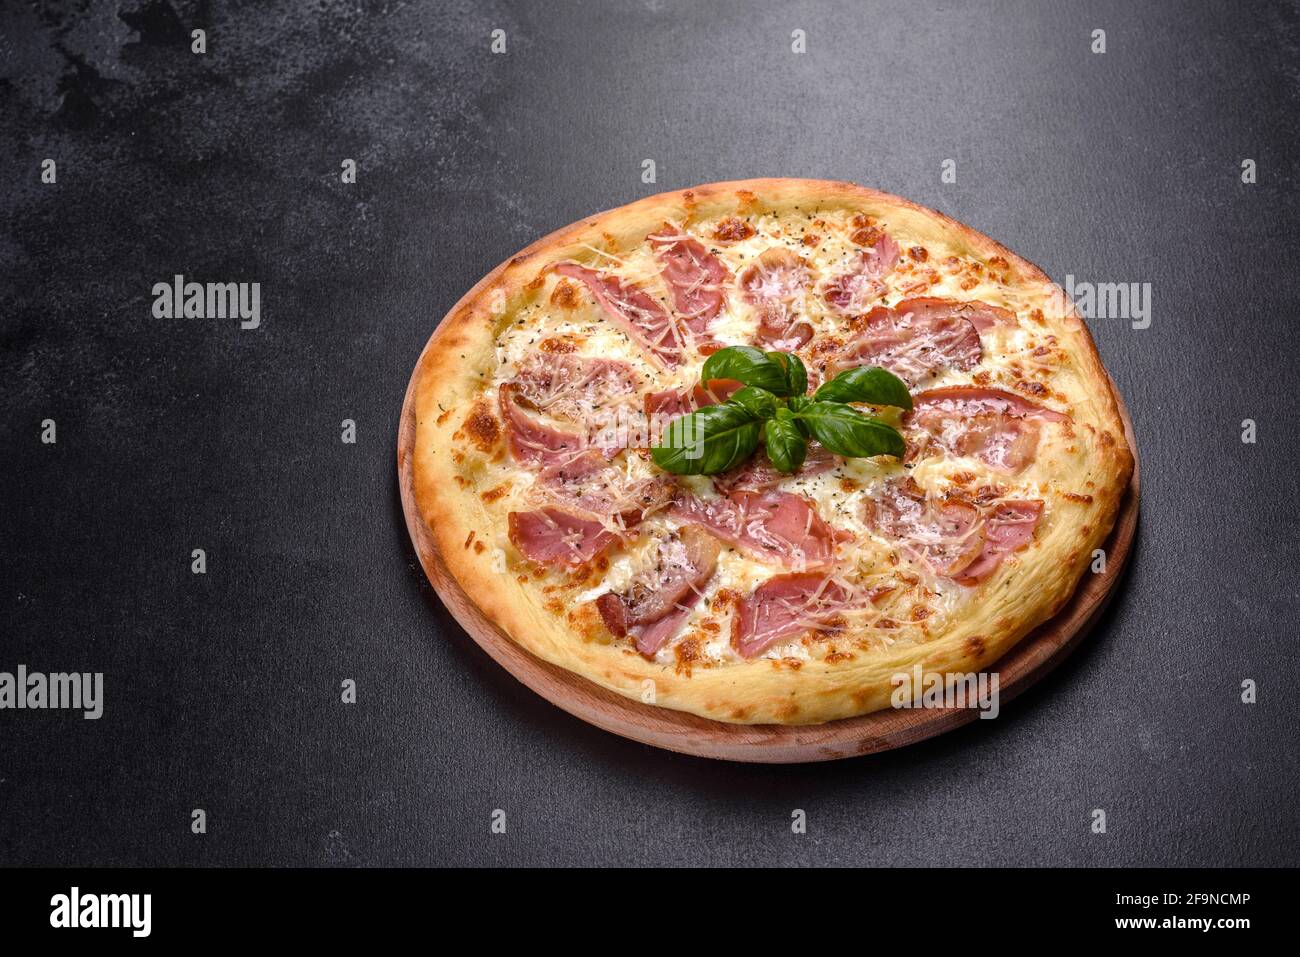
(565, 295)
(481, 427)
(976, 646)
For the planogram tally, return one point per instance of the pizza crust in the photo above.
(458, 437)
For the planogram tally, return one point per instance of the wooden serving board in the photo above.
(1031, 659)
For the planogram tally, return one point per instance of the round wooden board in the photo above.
(1032, 658)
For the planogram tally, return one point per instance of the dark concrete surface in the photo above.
(222, 690)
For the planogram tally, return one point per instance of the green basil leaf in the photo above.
(709, 441)
(797, 403)
(748, 365)
(761, 403)
(796, 375)
(869, 384)
(786, 445)
(845, 431)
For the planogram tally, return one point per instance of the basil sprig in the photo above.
(773, 405)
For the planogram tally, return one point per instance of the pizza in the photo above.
(795, 577)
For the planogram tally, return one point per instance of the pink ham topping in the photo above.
(1009, 527)
(947, 534)
(531, 441)
(555, 536)
(777, 275)
(851, 292)
(589, 483)
(644, 319)
(775, 284)
(999, 428)
(760, 475)
(979, 314)
(971, 400)
(783, 606)
(661, 597)
(912, 345)
(776, 527)
(573, 386)
(780, 328)
(956, 538)
(694, 276)
(672, 403)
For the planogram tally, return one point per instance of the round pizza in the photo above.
(754, 449)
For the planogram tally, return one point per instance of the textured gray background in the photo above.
(223, 690)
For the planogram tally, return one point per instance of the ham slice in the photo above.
(783, 606)
(644, 319)
(694, 276)
(555, 536)
(572, 386)
(971, 400)
(946, 534)
(776, 527)
(775, 284)
(1008, 528)
(956, 538)
(912, 345)
(589, 483)
(760, 475)
(780, 328)
(530, 440)
(659, 600)
(850, 292)
(672, 403)
(979, 314)
(997, 427)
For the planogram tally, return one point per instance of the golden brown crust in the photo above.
(456, 443)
